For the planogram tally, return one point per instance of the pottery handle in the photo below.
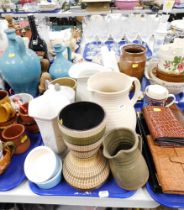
(137, 92)
(20, 45)
(140, 143)
(69, 51)
(11, 145)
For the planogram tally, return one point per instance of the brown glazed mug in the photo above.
(6, 109)
(132, 60)
(8, 149)
(16, 133)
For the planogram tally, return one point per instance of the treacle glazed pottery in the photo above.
(132, 61)
(123, 149)
(16, 133)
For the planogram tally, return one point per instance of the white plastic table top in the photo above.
(23, 194)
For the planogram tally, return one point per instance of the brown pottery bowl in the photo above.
(169, 77)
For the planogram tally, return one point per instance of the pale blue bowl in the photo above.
(54, 180)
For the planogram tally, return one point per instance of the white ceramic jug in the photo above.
(81, 72)
(111, 90)
(45, 111)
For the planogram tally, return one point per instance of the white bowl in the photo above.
(40, 164)
(173, 87)
(55, 180)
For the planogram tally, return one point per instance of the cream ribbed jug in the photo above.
(111, 90)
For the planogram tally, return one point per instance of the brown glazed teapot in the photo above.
(132, 60)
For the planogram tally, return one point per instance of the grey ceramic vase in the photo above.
(123, 149)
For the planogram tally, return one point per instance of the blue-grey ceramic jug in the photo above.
(19, 66)
(61, 65)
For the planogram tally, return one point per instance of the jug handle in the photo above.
(69, 52)
(140, 142)
(137, 90)
(21, 46)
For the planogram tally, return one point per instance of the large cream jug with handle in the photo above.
(111, 90)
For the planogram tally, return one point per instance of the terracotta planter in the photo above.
(132, 61)
(16, 133)
(169, 77)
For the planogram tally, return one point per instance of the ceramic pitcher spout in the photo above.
(121, 143)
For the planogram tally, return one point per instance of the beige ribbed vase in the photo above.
(86, 173)
(111, 90)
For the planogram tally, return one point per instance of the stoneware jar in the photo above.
(16, 133)
(61, 65)
(111, 90)
(132, 61)
(19, 66)
(123, 149)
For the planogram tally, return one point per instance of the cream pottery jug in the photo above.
(45, 111)
(111, 90)
(81, 72)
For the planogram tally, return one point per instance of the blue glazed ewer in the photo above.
(61, 65)
(19, 66)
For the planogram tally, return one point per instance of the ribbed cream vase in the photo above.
(86, 174)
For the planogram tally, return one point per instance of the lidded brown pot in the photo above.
(132, 61)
